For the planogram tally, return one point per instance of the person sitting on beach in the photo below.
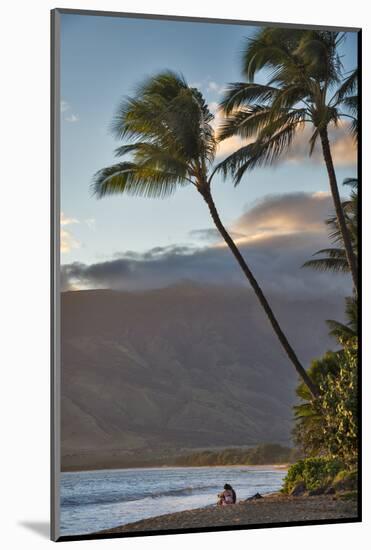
(228, 496)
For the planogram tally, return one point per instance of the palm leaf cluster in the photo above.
(172, 142)
(305, 84)
(307, 432)
(348, 331)
(334, 257)
(335, 260)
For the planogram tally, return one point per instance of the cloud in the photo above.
(65, 106)
(90, 222)
(211, 235)
(229, 146)
(67, 240)
(343, 148)
(294, 213)
(215, 87)
(65, 220)
(279, 235)
(72, 118)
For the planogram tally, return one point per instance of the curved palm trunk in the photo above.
(351, 259)
(258, 291)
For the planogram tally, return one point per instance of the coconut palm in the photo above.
(335, 257)
(306, 85)
(335, 260)
(173, 144)
(308, 433)
(348, 331)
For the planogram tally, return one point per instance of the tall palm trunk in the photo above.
(206, 194)
(351, 259)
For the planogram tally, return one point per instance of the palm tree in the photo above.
(308, 430)
(307, 85)
(173, 145)
(335, 257)
(345, 332)
(335, 261)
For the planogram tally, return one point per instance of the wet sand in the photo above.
(274, 508)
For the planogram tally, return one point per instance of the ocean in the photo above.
(101, 499)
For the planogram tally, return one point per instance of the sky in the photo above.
(102, 60)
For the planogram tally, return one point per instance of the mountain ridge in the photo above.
(182, 367)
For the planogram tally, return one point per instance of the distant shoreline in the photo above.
(271, 509)
(253, 466)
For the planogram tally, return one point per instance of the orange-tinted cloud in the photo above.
(67, 240)
(277, 215)
(343, 147)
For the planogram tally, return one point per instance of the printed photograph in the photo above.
(208, 195)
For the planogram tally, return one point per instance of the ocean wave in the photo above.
(185, 491)
(112, 498)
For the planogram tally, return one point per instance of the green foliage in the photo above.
(346, 480)
(269, 453)
(348, 331)
(346, 475)
(328, 426)
(314, 472)
(338, 403)
(307, 85)
(308, 430)
(334, 259)
(171, 140)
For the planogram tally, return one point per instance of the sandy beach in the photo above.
(274, 508)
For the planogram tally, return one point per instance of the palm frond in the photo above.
(230, 164)
(275, 134)
(138, 180)
(337, 265)
(240, 94)
(352, 182)
(340, 331)
(265, 153)
(270, 47)
(335, 257)
(318, 51)
(168, 113)
(267, 149)
(347, 88)
(288, 96)
(244, 123)
(351, 103)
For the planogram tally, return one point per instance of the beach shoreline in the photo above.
(273, 508)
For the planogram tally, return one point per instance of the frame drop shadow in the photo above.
(41, 528)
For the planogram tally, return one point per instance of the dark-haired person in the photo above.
(228, 496)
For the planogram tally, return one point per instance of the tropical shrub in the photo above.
(328, 426)
(314, 472)
(308, 433)
(346, 480)
(339, 407)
